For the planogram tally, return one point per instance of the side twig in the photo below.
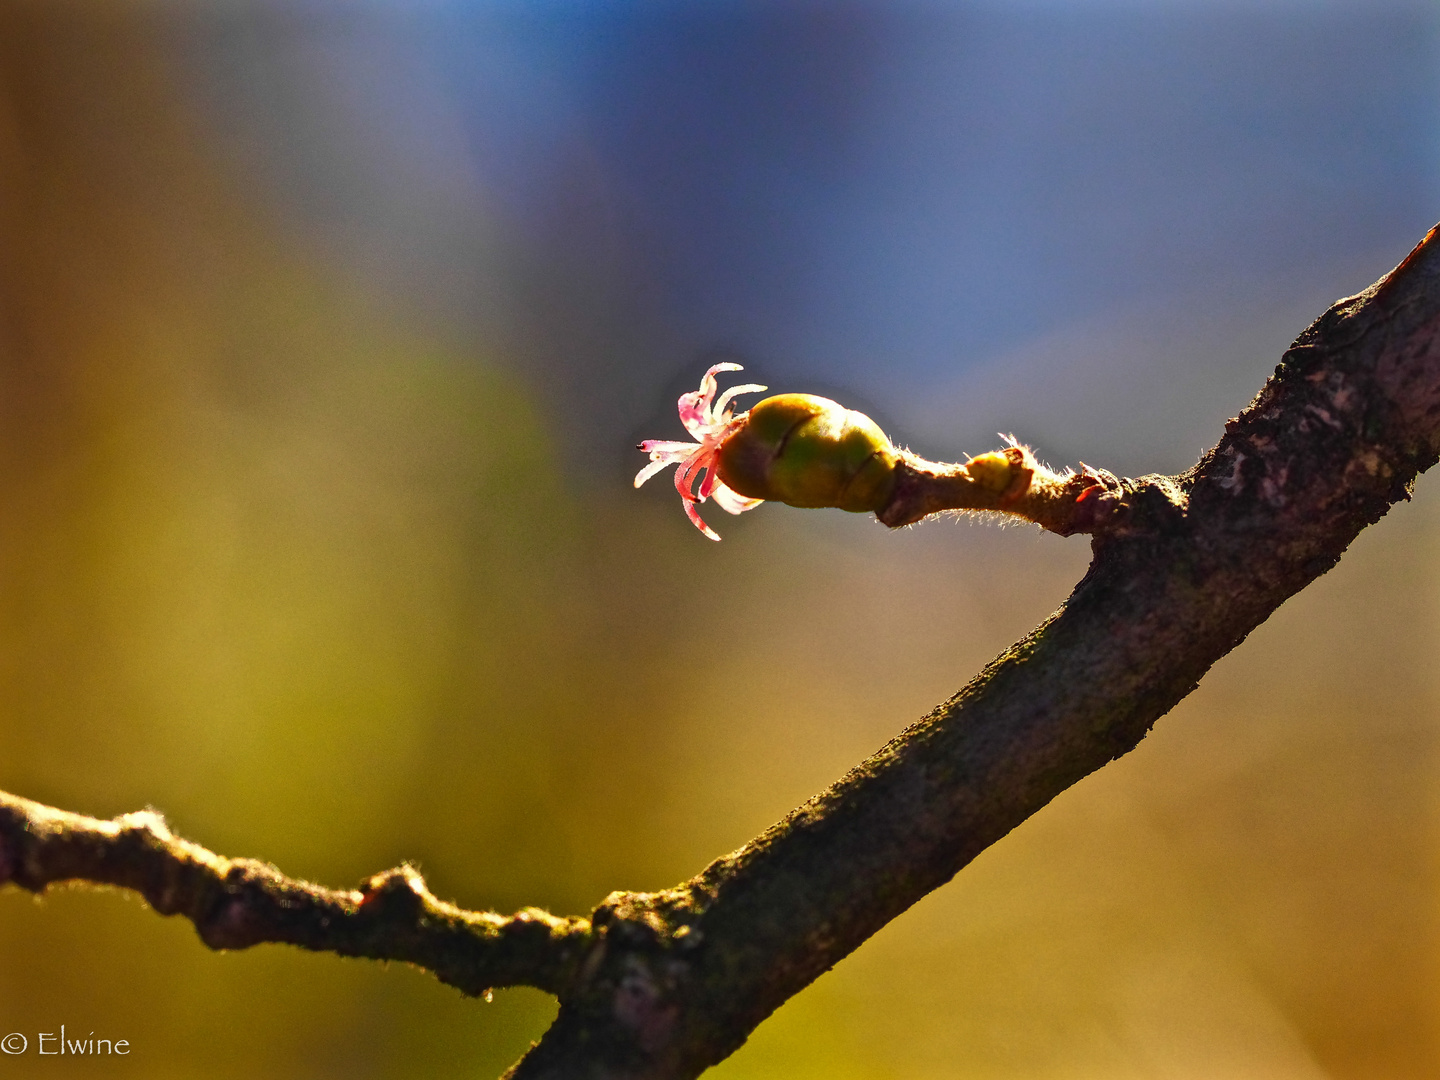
(236, 903)
(1009, 481)
(1184, 568)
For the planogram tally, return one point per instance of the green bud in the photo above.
(809, 451)
(993, 471)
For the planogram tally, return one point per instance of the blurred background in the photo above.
(326, 333)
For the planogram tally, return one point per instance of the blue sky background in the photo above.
(861, 196)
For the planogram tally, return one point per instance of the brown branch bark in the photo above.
(236, 903)
(658, 986)
(1008, 481)
(1184, 568)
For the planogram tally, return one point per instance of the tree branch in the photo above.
(236, 903)
(1184, 568)
(1008, 481)
(659, 986)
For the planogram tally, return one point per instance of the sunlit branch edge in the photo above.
(236, 903)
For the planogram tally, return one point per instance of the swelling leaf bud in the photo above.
(809, 451)
(993, 471)
(799, 449)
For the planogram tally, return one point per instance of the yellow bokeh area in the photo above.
(313, 579)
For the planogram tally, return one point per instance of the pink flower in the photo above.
(709, 425)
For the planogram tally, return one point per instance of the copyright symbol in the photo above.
(14, 1043)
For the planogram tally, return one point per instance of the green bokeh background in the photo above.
(318, 583)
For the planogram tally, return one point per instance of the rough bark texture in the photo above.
(1184, 568)
(236, 903)
(659, 986)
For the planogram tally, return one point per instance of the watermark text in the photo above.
(57, 1043)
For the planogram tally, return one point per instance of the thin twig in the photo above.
(1066, 503)
(236, 903)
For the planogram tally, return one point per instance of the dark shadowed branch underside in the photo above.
(659, 986)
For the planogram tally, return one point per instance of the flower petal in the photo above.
(673, 450)
(706, 486)
(732, 502)
(685, 476)
(696, 478)
(694, 516)
(692, 415)
(747, 388)
(695, 411)
(651, 469)
(707, 382)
